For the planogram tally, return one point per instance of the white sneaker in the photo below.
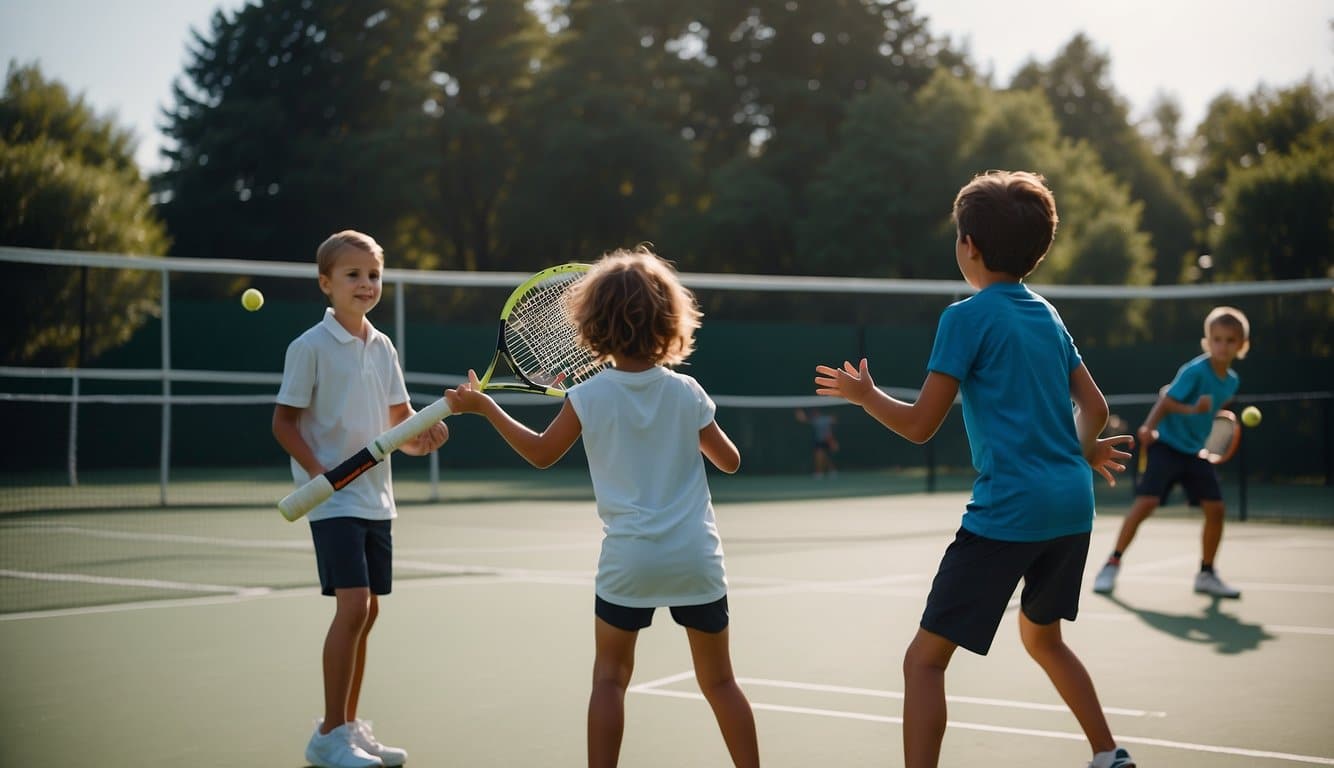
(1106, 579)
(1117, 758)
(364, 738)
(1208, 583)
(336, 749)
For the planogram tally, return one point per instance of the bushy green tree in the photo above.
(68, 181)
(296, 119)
(482, 71)
(1077, 83)
(600, 160)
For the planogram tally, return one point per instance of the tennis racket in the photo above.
(1221, 444)
(1224, 438)
(539, 343)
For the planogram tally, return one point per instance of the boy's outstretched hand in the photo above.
(852, 384)
(467, 397)
(1106, 457)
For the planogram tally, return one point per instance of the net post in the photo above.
(930, 467)
(1328, 442)
(164, 458)
(1241, 480)
(72, 456)
(400, 322)
(434, 494)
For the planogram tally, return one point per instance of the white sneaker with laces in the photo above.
(1105, 582)
(1208, 583)
(364, 738)
(336, 749)
(1117, 758)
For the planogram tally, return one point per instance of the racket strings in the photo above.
(543, 340)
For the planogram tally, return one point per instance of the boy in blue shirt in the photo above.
(1006, 351)
(1174, 433)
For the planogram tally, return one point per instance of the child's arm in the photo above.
(287, 430)
(719, 449)
(1102, 453)
(916, 421)
(541, 450)
(427, 441)
(1148, 431)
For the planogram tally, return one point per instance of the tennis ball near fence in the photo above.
(1251, 416)
(252, 299)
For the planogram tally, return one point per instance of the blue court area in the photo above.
(192, 636)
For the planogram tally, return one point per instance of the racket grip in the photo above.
(318, 489)
(296, 504)
(409, 428)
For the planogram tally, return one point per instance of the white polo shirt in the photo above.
(344, 387)
(641, 435)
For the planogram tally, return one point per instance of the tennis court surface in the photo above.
(192, 636)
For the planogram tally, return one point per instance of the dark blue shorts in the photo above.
(977, 578)
(709, 617)
(1167, 466)
(352, 552)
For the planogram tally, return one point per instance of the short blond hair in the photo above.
(1233, 318)
(632, 304)
(327, 254)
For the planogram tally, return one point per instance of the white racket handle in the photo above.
(318, 489)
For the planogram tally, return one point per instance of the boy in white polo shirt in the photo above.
(342, 386)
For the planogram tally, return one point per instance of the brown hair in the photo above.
(327, 253)
(1011, 216)
(1233, 318)
(632, 304)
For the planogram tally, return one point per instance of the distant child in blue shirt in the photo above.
(646, 430)
(1174, 433)
(1006, 351)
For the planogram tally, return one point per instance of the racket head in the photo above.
(538, 338)
(1224, 438)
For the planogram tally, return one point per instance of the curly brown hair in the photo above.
(632, 305)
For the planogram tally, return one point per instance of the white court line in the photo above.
(966, 726)
(653, 686)
(143, 605)
(168, 538)
(258, 594)
(113, 581)
(877, 585)
(303, 544)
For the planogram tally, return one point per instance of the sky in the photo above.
(123, 55)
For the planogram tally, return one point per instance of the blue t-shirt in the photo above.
(1186, 432)
(1013, 359)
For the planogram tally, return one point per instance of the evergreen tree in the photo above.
(297, 119)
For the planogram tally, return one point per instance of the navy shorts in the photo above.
(353, 552)
(1167, 466)
(709, 617)
(977, 578)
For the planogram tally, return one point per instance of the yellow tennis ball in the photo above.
(252, 299)
(1250, 416)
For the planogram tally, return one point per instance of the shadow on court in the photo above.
(1227, 633)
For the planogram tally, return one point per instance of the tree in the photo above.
(1238, 134)
(68, 181)
(1077, 84)
(600, 160)
(1278, 218)
(297, 119)
(481, 73)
